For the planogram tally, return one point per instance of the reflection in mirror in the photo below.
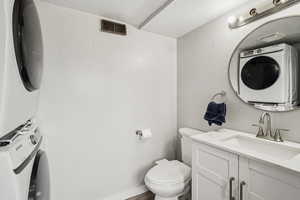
(263, 69)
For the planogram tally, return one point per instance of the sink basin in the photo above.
(260, 146)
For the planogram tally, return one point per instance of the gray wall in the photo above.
(203, 57)
(98, 89)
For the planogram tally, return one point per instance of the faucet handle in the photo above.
(260, 132)
(277, 135)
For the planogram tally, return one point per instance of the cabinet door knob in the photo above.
(230, 188)
(243, 183)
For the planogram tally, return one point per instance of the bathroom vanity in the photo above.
(234, 165)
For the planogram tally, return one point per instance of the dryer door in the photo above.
(260, 72)
(28, 43)
(40, 181)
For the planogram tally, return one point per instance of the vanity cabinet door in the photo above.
(267, 182)
(214, 171)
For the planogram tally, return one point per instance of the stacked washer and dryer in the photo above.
(24, 173)
(269, 76)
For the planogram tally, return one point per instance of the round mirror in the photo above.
(264, 67)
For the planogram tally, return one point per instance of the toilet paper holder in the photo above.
(139, 133)
(144, 134)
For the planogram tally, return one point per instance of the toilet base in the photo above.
(164, 198)
(186, 191)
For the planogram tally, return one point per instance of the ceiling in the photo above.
(180, 17)
(129, 11)
(183, 16)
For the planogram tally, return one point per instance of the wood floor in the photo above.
(145, 196)
(150, 196)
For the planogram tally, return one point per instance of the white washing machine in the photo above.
(24, 170)
(269, 75)
(21, 62)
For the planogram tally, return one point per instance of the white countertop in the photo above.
(263, 150)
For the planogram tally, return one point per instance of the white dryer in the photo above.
(24, 171)
(269, 75)
(21, 62)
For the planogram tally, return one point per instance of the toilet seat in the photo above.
(169, 173)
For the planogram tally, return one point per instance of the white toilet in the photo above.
(169, 180)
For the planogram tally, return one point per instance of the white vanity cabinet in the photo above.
(267, 182)
(217, 174)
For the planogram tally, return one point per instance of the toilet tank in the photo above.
(186, 144)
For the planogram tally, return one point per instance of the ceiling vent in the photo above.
(113, 27)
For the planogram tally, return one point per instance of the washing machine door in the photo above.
(40, 181)
(28, 43)
(260, 72)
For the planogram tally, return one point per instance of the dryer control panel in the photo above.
(21, 144)
(265, 50)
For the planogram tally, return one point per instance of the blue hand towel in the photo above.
(216, 113)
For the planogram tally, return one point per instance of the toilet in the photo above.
(169, 180)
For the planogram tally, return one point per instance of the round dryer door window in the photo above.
(260, 73)
(40, 181)
(28, 43)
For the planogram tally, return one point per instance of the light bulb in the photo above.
(232, 21)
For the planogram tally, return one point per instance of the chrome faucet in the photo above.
(268, 129)
(265, 129)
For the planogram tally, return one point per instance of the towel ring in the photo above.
(222, 94)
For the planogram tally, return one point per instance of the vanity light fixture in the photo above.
(262, 10)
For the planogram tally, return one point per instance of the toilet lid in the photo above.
(171, 172)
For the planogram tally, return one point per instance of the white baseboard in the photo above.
(128, 193)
